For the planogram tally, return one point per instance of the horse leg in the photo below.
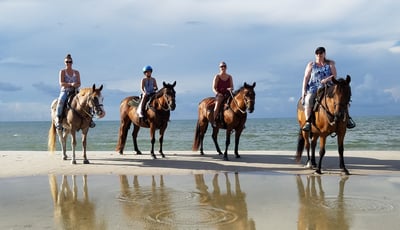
(321, 154)
(341, 157)
(62, 138)
(152, 140)
(135, 132)
(313, 147)
(237, 139)
(161, 139)
(73, 145)
(215, 139)
(123, 133)
(203, 130)
(84, 141)
(227, 142)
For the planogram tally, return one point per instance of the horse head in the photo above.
(249, 96)
(341, 94)
(95, 101)
(168, 95)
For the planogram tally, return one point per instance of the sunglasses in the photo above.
(68, 62)
(222, 66)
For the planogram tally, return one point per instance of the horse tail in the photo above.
(300, 145)
(51, 143)
(196, 141)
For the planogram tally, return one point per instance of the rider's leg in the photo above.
(308, 105)
(60, 106)
(218, 100)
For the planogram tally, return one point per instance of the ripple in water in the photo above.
(196, 216)
(359, 204)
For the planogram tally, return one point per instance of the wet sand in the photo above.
(26, 163)
(261, 190)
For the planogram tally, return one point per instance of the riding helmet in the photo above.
(147, 68)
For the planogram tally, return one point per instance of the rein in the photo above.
(234, 100)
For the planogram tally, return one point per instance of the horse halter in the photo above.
(95, 106)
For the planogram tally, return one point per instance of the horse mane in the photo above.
(160, 92)
(342, 86)
(84, 91)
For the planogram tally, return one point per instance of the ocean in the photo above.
(371, 133)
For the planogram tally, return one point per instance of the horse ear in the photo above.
(94, 87)
(348, 79)
(174, 84)
(101, 87)
(164, 84)
(254, 84)
(245, 85)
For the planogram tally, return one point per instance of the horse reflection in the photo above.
(314, 211)
(70, 212)
(140, 202)
(234, 202)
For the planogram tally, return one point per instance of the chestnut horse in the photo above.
(330, 118)
(86, 104)
(157, 115)
(234, 118)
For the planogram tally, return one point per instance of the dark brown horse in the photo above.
(86, 104)
(234, 118)
(330, 118)
(157, 115)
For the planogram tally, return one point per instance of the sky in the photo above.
(267, 42)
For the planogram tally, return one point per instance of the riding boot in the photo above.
(58, 123)
(92, 124)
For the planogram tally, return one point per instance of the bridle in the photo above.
(333, 117)
(246, 100)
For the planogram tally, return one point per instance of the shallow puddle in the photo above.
(203, 201)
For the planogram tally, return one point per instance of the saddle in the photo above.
(135, 101)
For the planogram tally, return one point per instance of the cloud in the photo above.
(394, 92)
(8, 87)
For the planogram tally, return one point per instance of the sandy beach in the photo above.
(27, 163)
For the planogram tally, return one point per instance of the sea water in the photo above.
(371, 133)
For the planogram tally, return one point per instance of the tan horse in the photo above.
(87, 103)
(330, 119)
(157, 115)
(234, 118)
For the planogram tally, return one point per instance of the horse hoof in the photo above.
(138, 153)
(154, 156)
(238, 156)
(86, 161)
(225, 159)
(73, 162)
(65, 158)
(318, 172)
(201, 154)
(162, 155)
(345, 172)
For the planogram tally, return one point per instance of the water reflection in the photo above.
(315, 210)
(160, 206)
(71, 212)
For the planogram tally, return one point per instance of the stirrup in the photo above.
(350, 123)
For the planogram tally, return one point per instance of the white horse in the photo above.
(86, 104)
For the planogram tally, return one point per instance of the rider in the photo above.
(317, 75)
(70, 81)
(222, 84)
(148, 88)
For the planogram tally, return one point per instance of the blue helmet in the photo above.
(147, 68)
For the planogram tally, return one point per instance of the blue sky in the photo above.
(267, 42)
